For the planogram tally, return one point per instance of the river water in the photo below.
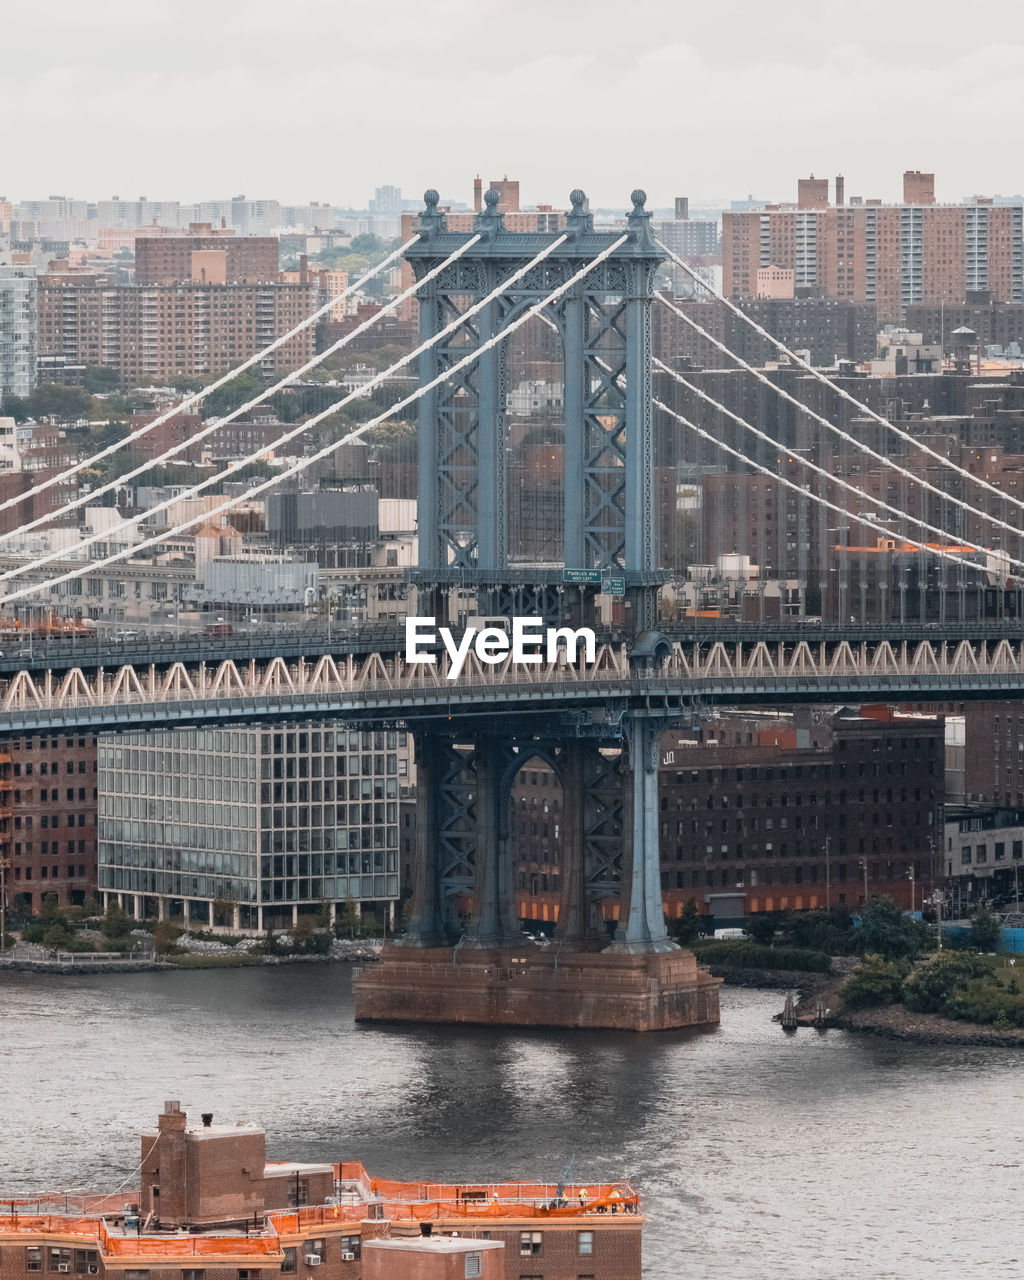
(757, 1154)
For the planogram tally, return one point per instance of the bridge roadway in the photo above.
(382, 688)
(88, 653)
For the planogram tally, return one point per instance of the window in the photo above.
(59, 1260)
(248, 1273)
(198, 1275)
(87, 1262)
(530, 1243)
(350, 1244)
(474, 1265)
(584, 1242)
(318, 1246)
(34, 1258)
(287, 1265)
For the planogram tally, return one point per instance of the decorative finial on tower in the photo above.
(638, 220)
(580, 219)
(490, 221)
(431, 219)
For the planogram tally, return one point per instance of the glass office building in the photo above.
(266, 823)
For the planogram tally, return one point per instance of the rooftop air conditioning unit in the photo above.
(312, 1259)
(93, 1269)
(348, 1256)
(63, 1266)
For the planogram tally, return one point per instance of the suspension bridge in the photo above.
(596, 722)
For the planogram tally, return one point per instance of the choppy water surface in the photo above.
(758, 1155)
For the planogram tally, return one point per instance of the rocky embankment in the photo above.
(897, 1022)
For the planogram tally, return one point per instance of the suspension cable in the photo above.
(823, 471)
(200, 395)
(85, 498)
(845, 395)
(105, 534)
(845, 435)
(807, 493)
(302, 463)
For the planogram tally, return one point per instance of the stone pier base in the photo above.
(529, 987)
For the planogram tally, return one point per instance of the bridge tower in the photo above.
(606, 763)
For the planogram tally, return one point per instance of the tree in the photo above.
(930, 987)
(165, 935)
(761, 927)
(224, 909)
(246, 386)
(984, 933)
(16, 407)
(348, 922)
(63, 403)
(56, 938)
(685, 929)
(116, 922)
(366, 243)
(877, 981)
(889, 931)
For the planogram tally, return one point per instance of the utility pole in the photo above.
(864, 868)
(910, 877)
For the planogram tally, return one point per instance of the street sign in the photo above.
(615, 586)
(582, 576)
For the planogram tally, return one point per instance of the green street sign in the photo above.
(582, 575)
(615, 587)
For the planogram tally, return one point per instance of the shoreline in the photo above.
(889, 1022)
(195, 961)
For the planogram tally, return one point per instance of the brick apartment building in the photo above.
(769, 813)
(165, 331)
(53, 820)
(211, 1207)
(895, 256)
(205, 256)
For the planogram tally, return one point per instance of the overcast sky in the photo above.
(326, 99)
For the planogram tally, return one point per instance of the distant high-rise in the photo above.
(896, 255)
(387, 200)
(18, 327)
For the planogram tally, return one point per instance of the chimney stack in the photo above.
(840, 189)
(478, 194)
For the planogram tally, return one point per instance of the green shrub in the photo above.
(737, 954)
(932, 984)
(987, 1001)
(876, 982)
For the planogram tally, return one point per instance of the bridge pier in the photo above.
(609, 845)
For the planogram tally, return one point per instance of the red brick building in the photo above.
(769, 813)
(210, 1207)
(205, 256)
(893, 255)
(52, 820)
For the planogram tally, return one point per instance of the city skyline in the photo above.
(679, 87)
